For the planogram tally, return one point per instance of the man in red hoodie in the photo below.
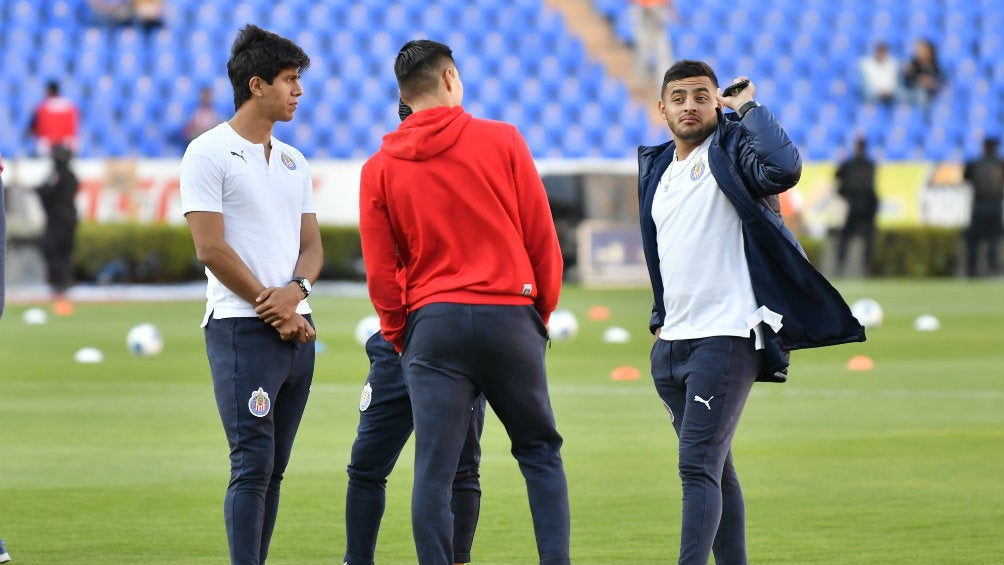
(456, 204)
(55, 121)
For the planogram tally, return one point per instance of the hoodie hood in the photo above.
(425, 134)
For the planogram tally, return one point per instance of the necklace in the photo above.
(672, 172)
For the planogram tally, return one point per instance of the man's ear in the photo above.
(255, 86)
(449, 76)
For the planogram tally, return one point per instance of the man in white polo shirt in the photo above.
(248, 201)
(732, 291)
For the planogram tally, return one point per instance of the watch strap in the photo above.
(746, 107)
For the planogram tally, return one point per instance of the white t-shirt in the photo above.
(261, 202)
(706, 280)
(881, 77)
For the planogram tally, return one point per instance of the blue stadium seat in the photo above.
(537, 140)
(576, 144)
(899, 145)
(492, 97)
(612, 95)
(616, 145)
(433, 24)
(23, 14)
(536, 60)
(553, 118)
(513, 113)
(533, 98)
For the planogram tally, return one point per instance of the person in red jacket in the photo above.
(457, 205)
(55, 121)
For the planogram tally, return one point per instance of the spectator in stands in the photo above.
(856, 184)
(58, 195)
(922, 76)
(113, 12)
(653, 50)
(204, 118)
(54, 122)
(986, 176)
(148, 14)
(879, 73)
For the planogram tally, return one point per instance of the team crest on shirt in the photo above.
(697, 170)
(288, 161)
(365, 398)
(259, 404)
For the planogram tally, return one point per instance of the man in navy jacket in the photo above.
(733, 292)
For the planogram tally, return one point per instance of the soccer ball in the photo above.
(563, 326)
(144, 340)
(868, 312)
(366, 328)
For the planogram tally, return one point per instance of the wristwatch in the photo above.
(304, 285)
(747, 107)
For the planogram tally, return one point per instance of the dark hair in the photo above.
(52, 88)
(686, 68)
(418, 64)
(260, 53)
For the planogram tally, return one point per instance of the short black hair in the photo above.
(687, 68)
(260, 53)
(418, 65)
(403, 110)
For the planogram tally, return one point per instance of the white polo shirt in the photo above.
(706, 280)
(261, 202)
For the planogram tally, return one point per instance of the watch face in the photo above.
(306, 284)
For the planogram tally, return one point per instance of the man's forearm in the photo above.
(231, 270)
(309, 263)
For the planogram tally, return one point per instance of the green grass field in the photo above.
(124, 462)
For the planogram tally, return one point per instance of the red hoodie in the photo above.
(457, 204)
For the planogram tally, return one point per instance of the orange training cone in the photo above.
(62, 307)
(625, 373)
(599, 313)
(860, 363)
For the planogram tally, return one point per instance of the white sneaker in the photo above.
(4, 556)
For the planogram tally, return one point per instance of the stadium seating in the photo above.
(792, 41)
(520, 63)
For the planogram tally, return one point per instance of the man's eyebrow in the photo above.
(684, 90)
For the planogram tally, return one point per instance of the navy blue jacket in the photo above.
(752, 160)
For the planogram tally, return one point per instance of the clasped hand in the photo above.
(276, 306)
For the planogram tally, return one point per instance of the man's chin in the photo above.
(694, 133)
